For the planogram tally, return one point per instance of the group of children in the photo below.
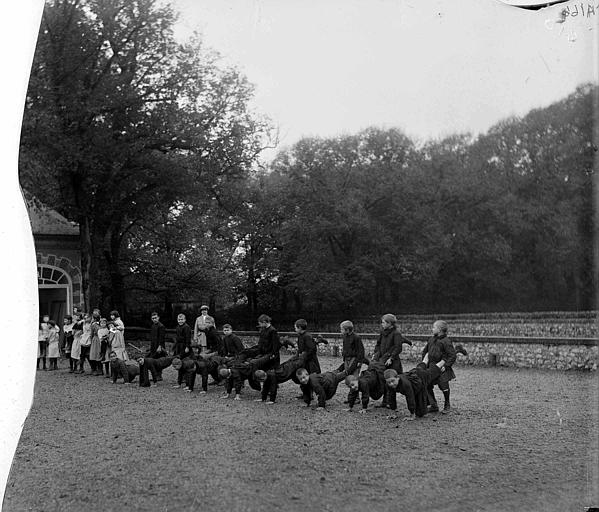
(83, 337)
(204, 352)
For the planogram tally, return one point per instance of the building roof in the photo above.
(46, 221)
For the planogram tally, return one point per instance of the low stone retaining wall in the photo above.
(522, 352)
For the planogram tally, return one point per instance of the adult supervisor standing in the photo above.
(202, 323)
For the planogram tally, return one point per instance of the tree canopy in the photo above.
(372, 222)
(123, 125)
(152, 147)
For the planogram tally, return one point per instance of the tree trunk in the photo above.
(86, 260)
(112, 255)
(251, 285)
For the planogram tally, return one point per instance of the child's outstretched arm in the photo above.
(320, 394)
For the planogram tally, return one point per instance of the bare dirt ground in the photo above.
(518, 440)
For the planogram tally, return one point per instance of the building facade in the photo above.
(57, 245)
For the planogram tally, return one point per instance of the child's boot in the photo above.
(447, 406)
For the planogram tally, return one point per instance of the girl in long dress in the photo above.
(53, 348)
(76, 347)
(105, 349)
(95, 356)
(117, 341)
(86, 341)
(116, 320)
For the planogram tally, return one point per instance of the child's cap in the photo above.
(349, 379)
(264, 318)
(227, 326)
(441, 324)
(392, 319)
(177, 363)
(347, 325)
(224, 372)
(204, 307)
(389, 374)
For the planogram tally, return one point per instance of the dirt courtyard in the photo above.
(517, 440)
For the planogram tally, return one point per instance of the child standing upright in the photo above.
(42, 341)
(95, 348)
(117, 321)
(306, 347)
(53, 349)
(232, 344)
(116, 340)
(388, 347)
(269, 343)
(182, 338)
(86, 341)
(439, 348)
(105, 349)
(67, 336)
(353, 349)
(76, 347)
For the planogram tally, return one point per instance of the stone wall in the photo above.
(545, 353)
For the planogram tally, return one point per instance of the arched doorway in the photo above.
(55, 292)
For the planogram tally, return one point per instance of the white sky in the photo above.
(321, 67)
(431, 68)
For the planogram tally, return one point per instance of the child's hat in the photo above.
(204, 307)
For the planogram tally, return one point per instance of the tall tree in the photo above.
(120, 119)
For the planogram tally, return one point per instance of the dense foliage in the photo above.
(502, 221)
(151, 147)
(131, 134)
